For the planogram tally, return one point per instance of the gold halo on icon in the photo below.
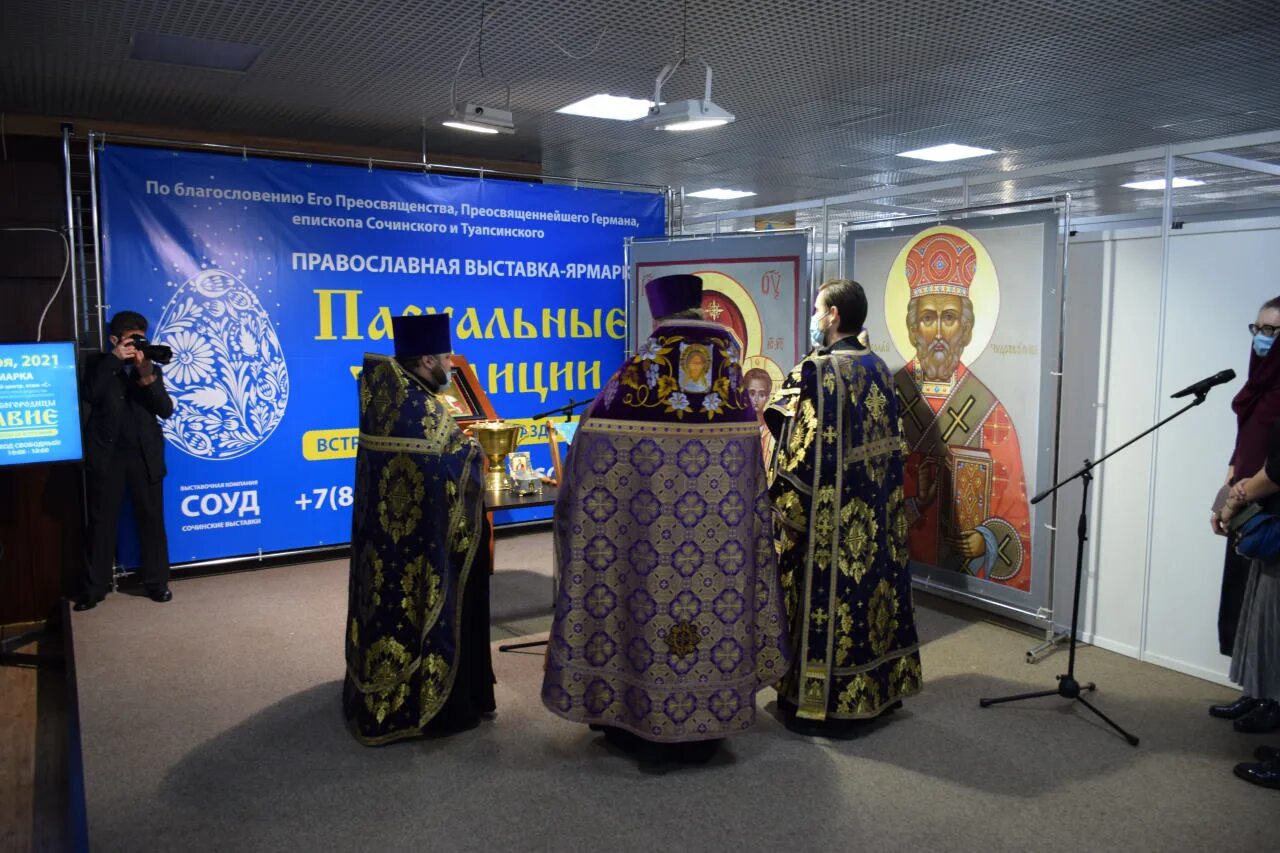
(732, 288)
(985, 293)
(766, 364)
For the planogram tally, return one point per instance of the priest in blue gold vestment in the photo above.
(841, 527)
(417, 631)
(668, 615)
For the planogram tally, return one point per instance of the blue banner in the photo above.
(270, 279)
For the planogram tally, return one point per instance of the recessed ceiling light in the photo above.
(194, 52)
(1158, 184)
(946, 153)
(616, 107)
(720, 194)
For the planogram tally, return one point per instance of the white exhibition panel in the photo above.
(1153, 568)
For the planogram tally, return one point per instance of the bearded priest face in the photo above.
(940, 325)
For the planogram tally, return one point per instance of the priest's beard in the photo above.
(938, 359)
(436, 378)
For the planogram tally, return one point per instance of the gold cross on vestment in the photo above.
(957, 419)
(876, 403)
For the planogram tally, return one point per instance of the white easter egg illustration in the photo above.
(228, 377)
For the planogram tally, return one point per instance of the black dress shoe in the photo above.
(85, 603)
(1234, 710)
(1267, 753)
(1267, 775)
(160, 595)
(1262, 719)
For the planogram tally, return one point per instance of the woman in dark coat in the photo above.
(1255, 661)
(1257, 408)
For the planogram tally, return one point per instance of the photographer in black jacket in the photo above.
(122, 394)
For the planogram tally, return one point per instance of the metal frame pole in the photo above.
(97, 237)
(71, 228)
(1166, 235)
(1052, 636)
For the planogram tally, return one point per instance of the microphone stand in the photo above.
(566, 410)
(1068, 687)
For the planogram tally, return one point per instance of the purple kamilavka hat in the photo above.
(671, 294)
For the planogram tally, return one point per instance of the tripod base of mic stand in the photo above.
(511, 647)
(1068, 688)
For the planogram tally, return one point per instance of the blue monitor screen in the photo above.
(39, 406)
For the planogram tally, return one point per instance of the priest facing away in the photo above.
(668, 616)
(417, 632)
(841, 528)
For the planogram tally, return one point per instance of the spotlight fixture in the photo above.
(692, 114)
(480, 119)
(1159, 183)
(477, 118)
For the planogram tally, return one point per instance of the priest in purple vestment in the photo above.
(669, 616)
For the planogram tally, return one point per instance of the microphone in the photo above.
(1202, 387)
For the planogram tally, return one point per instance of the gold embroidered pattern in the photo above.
(666, 369)
(876, 402)
(803, 429)
(791, 510)
(844, 617)
(386, 391)
(371, 591)
(858, 549)
(401, 486)
(383, 663)
(409, 586)
(897, 514)
(860, 697)
(435, 673)
(905, 678)
(882, 618)
(682, 639)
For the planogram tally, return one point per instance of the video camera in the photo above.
(159, 353)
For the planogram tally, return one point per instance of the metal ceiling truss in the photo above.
(1184, 149)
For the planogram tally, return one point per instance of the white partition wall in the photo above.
(1153, 567)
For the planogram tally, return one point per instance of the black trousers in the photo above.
(1235, 576)
(106, 487)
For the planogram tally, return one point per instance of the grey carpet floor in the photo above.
(214, 723)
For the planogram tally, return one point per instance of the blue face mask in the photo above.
(817, 333)
(1261, 344)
